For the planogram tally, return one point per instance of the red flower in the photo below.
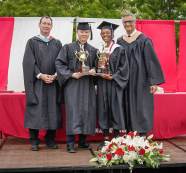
(131, 148)
(109, 156)
(119, 152)
(131, 134)
(100, 155)
(137, 134)
(110, 146)
(161, 151)
(141, 151)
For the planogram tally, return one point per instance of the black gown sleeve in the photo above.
(122, 73)
(62, 66)
(29, 71)
(36, 70)
(154, 70)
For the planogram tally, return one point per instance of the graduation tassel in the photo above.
(91, 34)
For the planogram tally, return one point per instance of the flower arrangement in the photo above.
(130, 149)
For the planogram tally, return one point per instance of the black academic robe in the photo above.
(42, 100)
(110, 92)
(79, 94)
(145, 71)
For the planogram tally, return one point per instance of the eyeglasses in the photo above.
(46, 23)
(128, 21)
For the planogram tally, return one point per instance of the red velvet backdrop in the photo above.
(162, 33)
(182, 58)
(6, 30)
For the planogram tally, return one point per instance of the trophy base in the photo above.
(102, 71)
(85, 70)
(100, 74)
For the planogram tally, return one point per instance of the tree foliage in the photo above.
(146, 9)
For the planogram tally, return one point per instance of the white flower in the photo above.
(118, 140)
(107, 143)
(150, 137)
(159, 146)
(115, 140)
(104, 149)
(116, 157)
(136, 141)
(133, 151)
(130, 156)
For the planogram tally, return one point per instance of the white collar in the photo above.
(43, 37)
(114, 47)
(109, 49)
(132, 34)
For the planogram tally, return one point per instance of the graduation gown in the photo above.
(42, 100)
(79, 94)
(110, 92)
(145, 71)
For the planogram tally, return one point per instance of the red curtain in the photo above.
(162, 33)
(182, 58)
(6, 31)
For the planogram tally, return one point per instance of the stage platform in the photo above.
(16, 156)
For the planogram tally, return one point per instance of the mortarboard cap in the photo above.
(84, 25)
(107, 25)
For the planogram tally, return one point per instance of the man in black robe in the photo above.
(145, 75)
(41, 87)
(75, 67)
(112, 82)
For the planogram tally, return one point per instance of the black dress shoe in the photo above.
(52, 146)
(70, 148)
(35, 148)
(84, 145)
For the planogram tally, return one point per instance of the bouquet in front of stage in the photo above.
(130, 149)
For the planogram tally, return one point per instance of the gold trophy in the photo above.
(82, 57)
(103, 64)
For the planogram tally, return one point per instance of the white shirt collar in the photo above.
(43, 37)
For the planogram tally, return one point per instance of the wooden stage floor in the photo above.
(16, 156)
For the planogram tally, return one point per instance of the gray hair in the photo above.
(128, 13)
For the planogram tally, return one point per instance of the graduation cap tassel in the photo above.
(91, 34)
